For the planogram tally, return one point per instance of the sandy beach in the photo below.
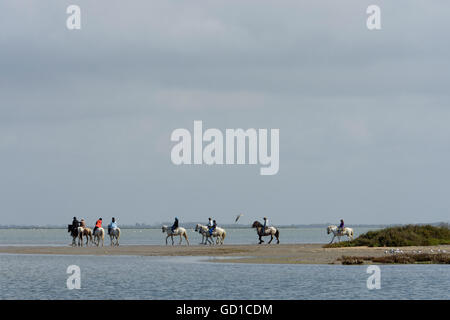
(283, 253)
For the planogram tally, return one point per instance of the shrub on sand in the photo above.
(409, 235)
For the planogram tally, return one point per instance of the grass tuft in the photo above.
(405, 258)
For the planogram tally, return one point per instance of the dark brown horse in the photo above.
(76, 233)
(269, 231)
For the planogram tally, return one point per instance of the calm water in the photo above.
(130, 277)
(60, 237)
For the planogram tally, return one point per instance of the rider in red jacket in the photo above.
(98, 224)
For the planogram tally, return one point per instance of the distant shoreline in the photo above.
(229, 225)
(260, 254)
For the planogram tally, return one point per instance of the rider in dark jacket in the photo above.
(75, 225)
(341, 226)
(175, 225)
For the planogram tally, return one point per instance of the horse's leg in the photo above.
(180, 239)
(171, 236)
(167, 238)
(185, 237)
(332, 239)
(271, 238)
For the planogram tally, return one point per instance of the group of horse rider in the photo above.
(212, 225)
(98, 224)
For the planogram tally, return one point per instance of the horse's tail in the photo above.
(277, 233)
(224, 235)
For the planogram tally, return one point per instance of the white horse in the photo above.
(203, 230)
(99, 235)
(337, 233)
(218, 232)
(177, 232)
(114, 234)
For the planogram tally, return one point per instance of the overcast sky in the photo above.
(86, 115)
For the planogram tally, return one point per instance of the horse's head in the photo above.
(69, 228)
(164, 229)
(330, 229)
(256, 224)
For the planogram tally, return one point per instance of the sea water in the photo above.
(132, 277)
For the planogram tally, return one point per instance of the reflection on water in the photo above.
(131, 277)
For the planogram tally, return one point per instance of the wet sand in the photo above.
(279, 254)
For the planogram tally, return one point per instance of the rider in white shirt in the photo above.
(210, 225)
(112, 225)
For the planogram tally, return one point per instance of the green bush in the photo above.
(409, 235)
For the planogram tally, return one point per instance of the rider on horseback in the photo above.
(341, 226)
(75, 225)
(175, 225)
(265, 226)
(98, 224)
(112, 225)
(211, 226)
